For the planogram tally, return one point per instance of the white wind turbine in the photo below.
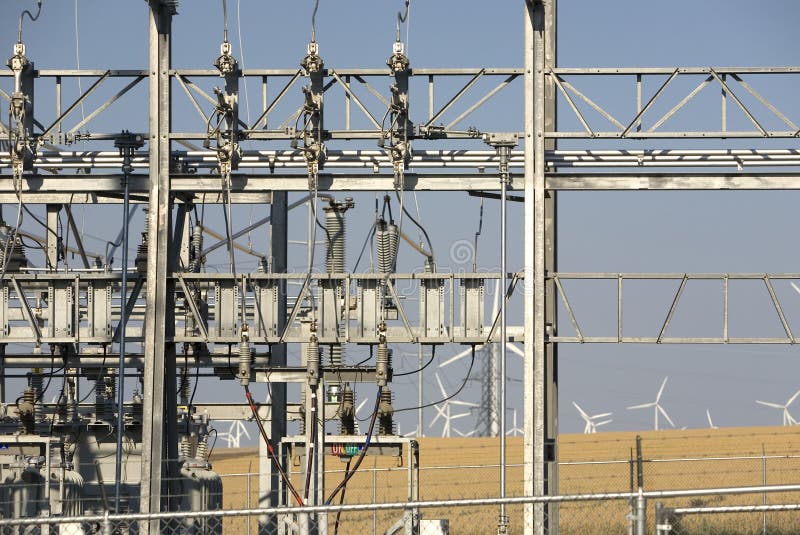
(233, 435)
(591, 424)
(443, 409)
(656, 406)
(515, 430)
(710, 423)
(787, 418)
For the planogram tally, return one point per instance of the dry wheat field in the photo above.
(452, 468)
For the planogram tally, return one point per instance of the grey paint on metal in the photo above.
(158, 237)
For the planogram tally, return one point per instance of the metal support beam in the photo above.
(269, 477)
(158, 297)
(539, 20)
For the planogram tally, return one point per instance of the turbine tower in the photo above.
(657, 408)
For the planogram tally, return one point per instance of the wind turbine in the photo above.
(656, 406)
(235, 433)
(591, 425)
(710, 423)
(443, 409)
(515, 430)
(787, 418)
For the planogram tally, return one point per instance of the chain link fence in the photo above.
(450, 471)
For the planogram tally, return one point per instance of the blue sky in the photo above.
(633, 232)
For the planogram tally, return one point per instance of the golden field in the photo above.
(452, 468)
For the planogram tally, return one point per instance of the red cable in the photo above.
(269, 446)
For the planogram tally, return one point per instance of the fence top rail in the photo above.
(475, 502)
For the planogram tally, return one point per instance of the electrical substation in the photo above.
(122, 340)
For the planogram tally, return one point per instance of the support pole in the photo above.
(538, 19)
(159, 314)
(269, 478)
(123, 322)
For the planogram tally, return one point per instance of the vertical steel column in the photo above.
(158, 314)
(538, 19)
(269, 478)
(550, 266)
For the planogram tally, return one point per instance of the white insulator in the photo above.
(312, 361)
(245, 362)
(387, 239)
(382, 364)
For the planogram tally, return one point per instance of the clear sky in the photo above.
(609, 232)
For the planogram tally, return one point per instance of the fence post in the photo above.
(764, 482)
(641, 513)
(632, 502)
(106, 524)
(641, 501)
(663, 520)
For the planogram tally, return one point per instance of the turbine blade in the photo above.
(456, 357)
(642, 406)
(603, 415)
(710, 423)
(463, 403)
(583, 414)
(604, 422)
(794, 397)
(661, 390)
(515, 349)
(663, 412)
(770, 404)
(796, 288)
(441, 386)
(361, 405)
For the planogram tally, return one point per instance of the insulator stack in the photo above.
(347, 422)
(312, 361)
(336, 355)
(245, 362)
(202, 448)
(27, 418)
(385, 413)
(336, 234)
(37, 382)
(185, 447)
(100, 399)
(382, 364)
(141, 252)
(197, 249)
(185, 387)
(302, 411)
(387, 238)
(11, 249)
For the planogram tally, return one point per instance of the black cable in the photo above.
(363, 452)
(420, 227)
(341, 498)
(314, 22)
(310, 449)
(30, 16)
(433, 354)
(451, 396)
(213, 444)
